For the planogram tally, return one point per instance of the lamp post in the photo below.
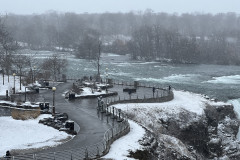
(34, 76)
(14, 74)
(106, 78)
(26, 93)
(53, 109)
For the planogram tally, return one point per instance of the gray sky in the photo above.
(99, 6)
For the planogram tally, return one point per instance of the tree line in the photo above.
(163, 44)
(185, 38)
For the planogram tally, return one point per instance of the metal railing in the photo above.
(119, 127)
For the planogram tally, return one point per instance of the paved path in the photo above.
(83, 112)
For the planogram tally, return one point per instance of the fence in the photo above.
(119, 127)
(157, 96)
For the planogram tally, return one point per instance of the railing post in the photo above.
(113, 112)
(86, 154)
(112, 133)
(97, 152)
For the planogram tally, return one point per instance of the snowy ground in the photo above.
(121, 147)
(149, 113)
(88, 92)
(182, 101)
(18, 134)
(9, 85)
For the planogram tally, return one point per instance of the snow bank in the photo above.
(182, 101)
(18, 134)
(121, 147)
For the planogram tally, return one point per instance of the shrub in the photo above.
(25, 114)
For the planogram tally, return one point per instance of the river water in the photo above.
(216, 81)
(220, 82)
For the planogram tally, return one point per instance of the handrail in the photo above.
(84, 153)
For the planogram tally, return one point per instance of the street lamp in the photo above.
(14, 74)
(53, 110)
(34, 76)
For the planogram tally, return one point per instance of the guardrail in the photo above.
(136, 99)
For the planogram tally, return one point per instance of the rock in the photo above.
(215, 146)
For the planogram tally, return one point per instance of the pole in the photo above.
(53, 103)
(25, 94)
(53, 110)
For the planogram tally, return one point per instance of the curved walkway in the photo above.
(83, 112)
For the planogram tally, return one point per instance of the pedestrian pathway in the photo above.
(81, 111)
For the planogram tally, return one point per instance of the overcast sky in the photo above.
(99, 6)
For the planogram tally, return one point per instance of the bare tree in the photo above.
(7, 47)
(20, 61)
(55, 65)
